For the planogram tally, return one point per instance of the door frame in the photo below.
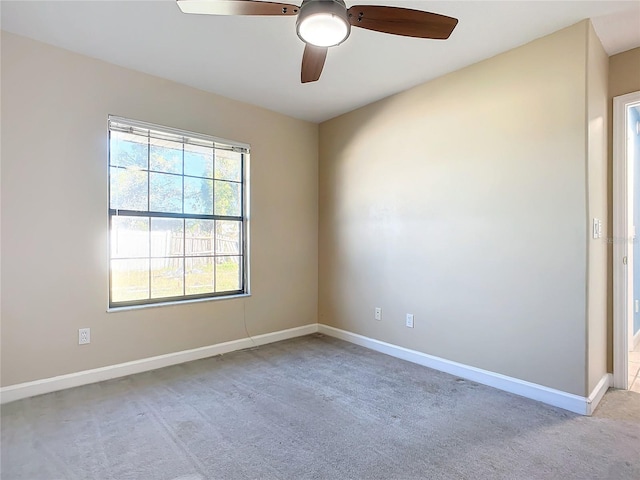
(623, 236)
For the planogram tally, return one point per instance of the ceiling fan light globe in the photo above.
(323, 30)
(323, 23)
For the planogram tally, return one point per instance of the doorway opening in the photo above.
(626, 265)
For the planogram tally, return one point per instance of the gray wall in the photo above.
(54, 215)
(464, 202)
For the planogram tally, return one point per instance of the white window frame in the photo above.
(116, 123)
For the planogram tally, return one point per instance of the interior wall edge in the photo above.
(597, 185)
(624, 77)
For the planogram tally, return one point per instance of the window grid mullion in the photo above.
(149, 205)
(151, 170)
(137, 213)
(213, 181)
(184, 255)
(242, 227)
(184, 235)
(215, 251)
(215, 222)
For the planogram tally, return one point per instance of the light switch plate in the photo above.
(597, 228)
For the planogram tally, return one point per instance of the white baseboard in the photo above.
(53, 384)
(568, 401)
(598, 392)
(550, 396)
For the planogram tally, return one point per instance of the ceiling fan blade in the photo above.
(312, 62)
(237, 7)
(402, 21)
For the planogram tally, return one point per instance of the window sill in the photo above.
(181, 302)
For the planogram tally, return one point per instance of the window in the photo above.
(177, 215)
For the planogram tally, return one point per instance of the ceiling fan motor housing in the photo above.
(323, 23)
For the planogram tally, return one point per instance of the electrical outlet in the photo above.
(84, 336)
(378, 313)
(409, 321)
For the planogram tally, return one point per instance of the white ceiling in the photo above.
(257, 59)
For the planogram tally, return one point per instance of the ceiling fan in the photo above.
(326, 23)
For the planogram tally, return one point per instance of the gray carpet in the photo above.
(311, 408)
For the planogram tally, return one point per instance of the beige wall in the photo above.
(54, 214)
(598, 183)
(624, 77)
(624, 72)
(464, 202)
